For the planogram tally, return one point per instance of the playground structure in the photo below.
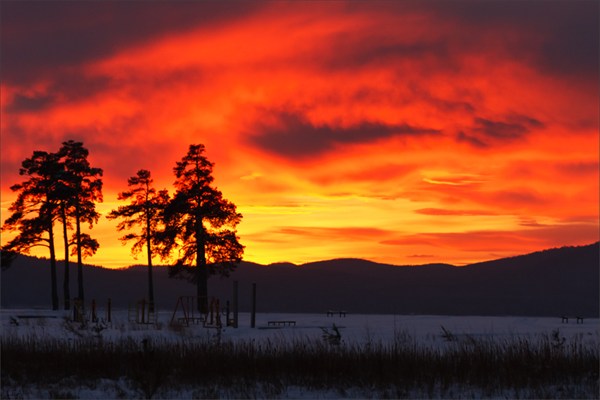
(142, 312)
(80, 315)
(186, 313)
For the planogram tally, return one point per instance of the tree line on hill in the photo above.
(556, 282)
(197, 224)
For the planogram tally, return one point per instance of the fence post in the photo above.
(108, 311)
(227, 313)
(235, 304)
(253, 316)
(143, 311)
(94, 317)
(78, 313)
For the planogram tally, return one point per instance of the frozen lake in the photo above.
(354, 328)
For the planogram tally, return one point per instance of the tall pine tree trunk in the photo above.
(52, 266)
(66, 284)
(201, 272)
(149, 245)
(79, 258)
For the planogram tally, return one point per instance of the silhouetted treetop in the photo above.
(200, 224)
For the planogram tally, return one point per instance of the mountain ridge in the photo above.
(345, 259)
(549, 282)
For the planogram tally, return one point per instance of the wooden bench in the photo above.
(565, 319)
(15, 320)
(331, 313)
(193, 320)
(281, 323)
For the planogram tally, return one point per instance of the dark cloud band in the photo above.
(292, 135)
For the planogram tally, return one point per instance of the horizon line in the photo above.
(323, 260)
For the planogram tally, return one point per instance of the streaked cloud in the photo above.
(442, 211)
(292, 135)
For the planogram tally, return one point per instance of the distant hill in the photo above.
(546, 283)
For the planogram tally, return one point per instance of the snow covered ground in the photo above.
(437, 332)
(425, 329)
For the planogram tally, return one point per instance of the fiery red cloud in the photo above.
(459, 131)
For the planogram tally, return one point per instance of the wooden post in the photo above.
(108, 311)
(235, 304)
(218, 313)
(94, 317)
(143, 310)
(253, 315)
(227, 321)
(76, 310)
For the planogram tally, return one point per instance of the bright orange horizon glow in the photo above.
(399, 132)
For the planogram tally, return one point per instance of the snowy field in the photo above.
(425, 329)
(440, 333)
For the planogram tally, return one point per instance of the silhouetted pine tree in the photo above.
(35, 209)
(200, 224)
(84, 185)
(145, 209)
(64, 194)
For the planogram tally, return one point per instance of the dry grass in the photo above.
(521, 367)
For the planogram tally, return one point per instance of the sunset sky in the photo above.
(396, 131)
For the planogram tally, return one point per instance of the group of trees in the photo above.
(63, 187)
(197, 224)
